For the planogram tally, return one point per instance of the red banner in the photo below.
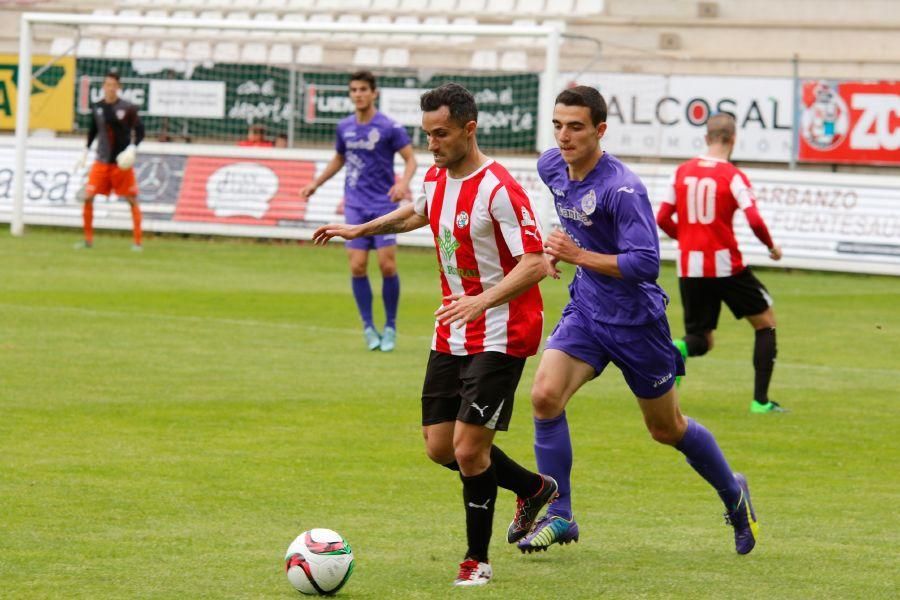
(850, 122)
(249, 192)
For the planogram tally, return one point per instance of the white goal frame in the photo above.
(549, 78)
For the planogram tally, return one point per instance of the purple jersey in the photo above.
(609, 213)
(368, 150)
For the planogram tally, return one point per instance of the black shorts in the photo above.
(477, 389)
(702, 299)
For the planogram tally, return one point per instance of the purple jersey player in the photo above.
(366, 143)
(616, 314)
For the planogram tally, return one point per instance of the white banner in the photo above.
(402, 104)
(822, 220)
(172, 98)
(665, 116)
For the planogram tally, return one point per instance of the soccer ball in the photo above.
(319, 562)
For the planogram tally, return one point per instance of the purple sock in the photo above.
(705, 456)
(390, 293)
(362, 293)
(553, 450)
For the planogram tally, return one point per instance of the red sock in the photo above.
(88, 214)
(136, 222)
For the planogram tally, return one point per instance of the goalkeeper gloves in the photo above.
(126, 157)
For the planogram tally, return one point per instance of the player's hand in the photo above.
(462, 309)
(552, 270)
(398, 192)
(775, 252)
(308, 191)
(561, 247)
(326, 232)
(125, 159)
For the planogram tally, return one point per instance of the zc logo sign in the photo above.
(851, 122)
(52, 92)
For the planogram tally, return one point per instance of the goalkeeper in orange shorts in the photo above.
(118, 130)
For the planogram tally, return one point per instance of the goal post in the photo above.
(296, 31)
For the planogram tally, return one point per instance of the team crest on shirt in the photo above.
(120, 114)
(462, 219)
(589, 202)
(447, 244)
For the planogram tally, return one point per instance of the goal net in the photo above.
(206, 81)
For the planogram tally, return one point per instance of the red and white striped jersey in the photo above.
(706, 193)
(481, 223)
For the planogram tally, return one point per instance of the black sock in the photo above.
(453, 466)
(764, 352)
(697, 345)
(479, 495)
(514, 477)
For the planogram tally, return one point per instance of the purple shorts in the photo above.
(645, 353)
(357, 216)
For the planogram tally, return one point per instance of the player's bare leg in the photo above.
(667, 425)
(135, 222)
(87, 213)
(390, 294)
(362, 293)
(557, 379)
(765, 350)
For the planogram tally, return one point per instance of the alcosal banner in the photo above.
(52, 92)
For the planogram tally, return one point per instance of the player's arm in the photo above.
(138, 129)
(401, 220)
(636, 232)
(92, 131)
(334, 165)
(746, 200)
(666, 210)
(400, 190)
(528, 272)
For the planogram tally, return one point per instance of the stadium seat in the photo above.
(127, 29)
(484, 59)
(523, 41)
(226, 52)
(321, 19)
(348, 18)
(395, 57)
(470, 7)
(264, 17)
(444, 7)
(117, 48)
(183, 14)
(245, 3)
(198, 51)
(170, 49)
(464, 22)
(239, 15)
(407, 21)
(378, 20)
(211, 15)
(385, 5)
(292, 18)
(500, 7)
(514, 60)
(254, 53)
(154, 31)
(310, 54)
(366, 56)
(281, 54)
(89, 48)
(588, 7)
(411, 6)
(143, 49)
(433, 38)
(563, 8)
(273, 4)
(530, 7)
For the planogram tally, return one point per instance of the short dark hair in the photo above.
(113, 73)
(364, 76)
(456, 98)
(584, 95)
(721, 128)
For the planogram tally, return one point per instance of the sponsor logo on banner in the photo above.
(52, 92)
(159, 177)
(658, 115)
(249, 192)
(850, 122)
(325, 103)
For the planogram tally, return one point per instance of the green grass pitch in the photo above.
(170, 421)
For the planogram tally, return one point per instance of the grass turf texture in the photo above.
(170, 421)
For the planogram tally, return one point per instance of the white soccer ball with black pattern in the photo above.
(319, 562)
